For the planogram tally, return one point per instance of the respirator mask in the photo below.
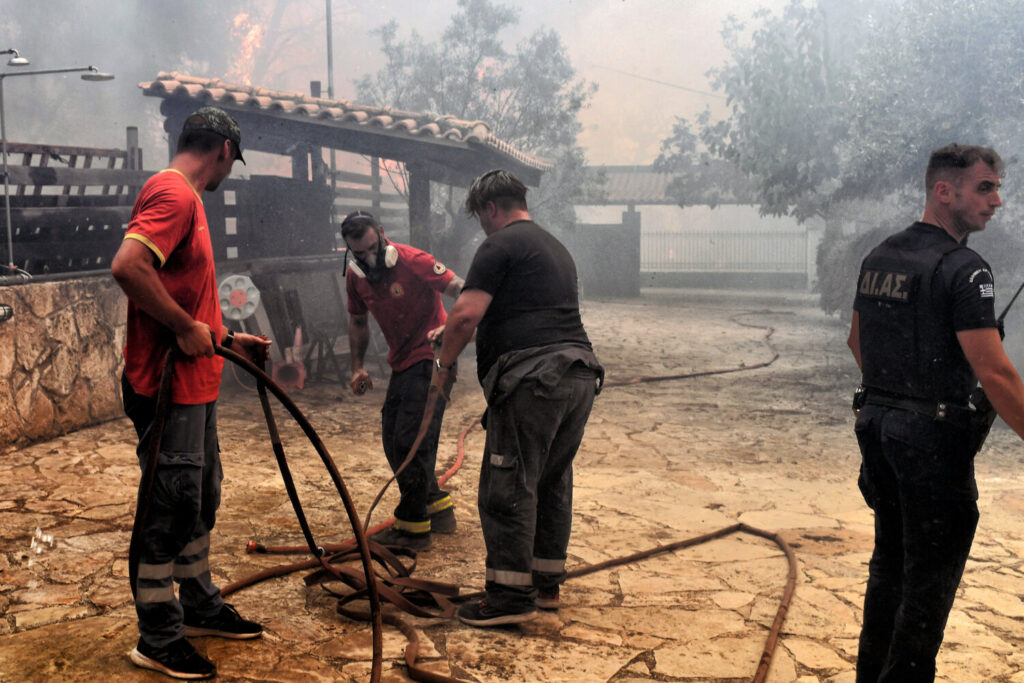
(374, 267)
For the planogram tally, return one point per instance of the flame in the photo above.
(249, 35)
(487, 66)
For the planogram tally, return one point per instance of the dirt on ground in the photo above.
(758, 430)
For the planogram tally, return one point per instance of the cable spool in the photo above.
(238, 297)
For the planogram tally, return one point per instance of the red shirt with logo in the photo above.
(406, 303)
(169, 219)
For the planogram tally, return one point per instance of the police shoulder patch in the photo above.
(887, 285)
(982, 277)
(439, 268)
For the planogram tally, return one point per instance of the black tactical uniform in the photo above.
(915, 292)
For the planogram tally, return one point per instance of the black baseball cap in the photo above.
(216, 121)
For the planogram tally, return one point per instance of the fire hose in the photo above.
(367, 583)
(398, 584)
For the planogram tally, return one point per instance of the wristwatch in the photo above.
(228, 340)
(437, 364)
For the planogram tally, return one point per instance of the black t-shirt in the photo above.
(532, 278)
(915, 292)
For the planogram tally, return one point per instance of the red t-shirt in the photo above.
(169, 219)
(406, 303)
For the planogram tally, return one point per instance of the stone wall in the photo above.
(60, 357)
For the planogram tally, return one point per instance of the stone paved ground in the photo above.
(770, 447)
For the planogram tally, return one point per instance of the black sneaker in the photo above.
(392, 536)
(482, 614)
(177, 660)
(225, 624)
(443, 522)
(547, 598)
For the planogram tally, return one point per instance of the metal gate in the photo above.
(738, 252)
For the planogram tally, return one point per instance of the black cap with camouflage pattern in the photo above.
(217, 121)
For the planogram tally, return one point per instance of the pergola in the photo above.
(433, 147)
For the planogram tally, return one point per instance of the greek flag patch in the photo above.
(987, 291)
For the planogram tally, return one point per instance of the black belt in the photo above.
(941, 411)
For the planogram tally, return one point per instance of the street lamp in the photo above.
(91, 74)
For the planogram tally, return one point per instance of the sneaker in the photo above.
(547, 598)
(443, 522)
(482, 614)
(177, 660)
(225, 624)
(403, 539)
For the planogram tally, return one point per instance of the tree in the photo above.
(698, 177)
(839, 124)
(786, 105)
(530, 98)
(270, 41)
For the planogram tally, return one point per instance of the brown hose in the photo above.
(265, 382)
(412, 649)
(428, 418)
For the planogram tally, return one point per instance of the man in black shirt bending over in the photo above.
(539, 375)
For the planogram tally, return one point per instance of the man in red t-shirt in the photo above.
(401, 286)
(165, 266)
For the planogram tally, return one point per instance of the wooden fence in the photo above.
(375, 193)
(69, 204)
(70, 207)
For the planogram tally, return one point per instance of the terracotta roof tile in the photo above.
(418, 124)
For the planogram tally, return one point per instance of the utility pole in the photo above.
(330, 95)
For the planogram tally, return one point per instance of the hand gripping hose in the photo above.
(367, 583)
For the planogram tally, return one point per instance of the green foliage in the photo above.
(698, 177)
(787, 111)
(934, 75)
(836, 106)
(530, 98)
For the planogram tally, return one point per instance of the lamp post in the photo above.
(91, 74)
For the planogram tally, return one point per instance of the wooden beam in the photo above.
(71, 201)
(69, 216)
(372, 195)
(419, 207)
(375, 182)
(350, 177)
(67, 150)
(51, 175)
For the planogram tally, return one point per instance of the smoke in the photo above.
(133, 40)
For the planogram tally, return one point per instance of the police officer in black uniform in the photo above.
(924, 333)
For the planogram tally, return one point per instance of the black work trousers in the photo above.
(525, 495)
(401, 416)
(180, 513)
(917, 475)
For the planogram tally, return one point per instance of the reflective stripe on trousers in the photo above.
(525, 494)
